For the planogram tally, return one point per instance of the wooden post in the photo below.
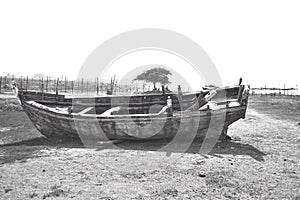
(97, 85)
(87, 86)
(115, 90)
(26, 83)
(42, 89)
(65, 84)
(21, 85)
(101, 86)
(78, 86)
(56, 89)
(240, 81)
(266, 90)
(41, 83)
(47, 84)
(61, 84)
(54, 84)
(72, 85)
(240, 95)
(0, 83)
(164, 93)
(82, 85)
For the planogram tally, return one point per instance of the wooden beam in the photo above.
(85, 110)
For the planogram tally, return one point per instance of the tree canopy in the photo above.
(155, 75)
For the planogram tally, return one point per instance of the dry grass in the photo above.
(9, 103)
(279, 107)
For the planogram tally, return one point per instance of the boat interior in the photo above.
(146, 105)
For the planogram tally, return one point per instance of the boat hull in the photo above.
(53, 124)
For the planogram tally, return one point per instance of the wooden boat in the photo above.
(140, 103)
(135, 121)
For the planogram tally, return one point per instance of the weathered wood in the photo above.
(240, 81)
(56, 88)
(47, 79)
(42, 88)
(138, 103)
(72, 86)
(82, 85)
(21, 84)
(97, 86)
(26, 83)
(52, 122)
(87, 86)
(66, 84)
(85, 110)
(0, 83)
(109, 142)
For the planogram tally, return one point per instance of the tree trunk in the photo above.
(154, 86)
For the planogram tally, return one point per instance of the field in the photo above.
(262, 162)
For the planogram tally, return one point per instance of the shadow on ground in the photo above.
(21, 151)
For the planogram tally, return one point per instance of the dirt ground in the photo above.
(263, 162)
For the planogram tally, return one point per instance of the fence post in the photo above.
(72, 85)
(82, 85)
(78, 86)
(0, 83)
(116, 87)
(26, 83)
(61, 84)
(42, 88)
(47, 84)
(56, 89)
(42, 82)
(87, 86)
(21, 85)
(97, 85)
(66, 84)
(266, 90)
(101, 87)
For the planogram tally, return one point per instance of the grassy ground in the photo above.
(263, 164)
(279, 107)
(8, 102)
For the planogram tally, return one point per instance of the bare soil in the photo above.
(261, 163)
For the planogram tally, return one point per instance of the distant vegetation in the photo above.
(155, 75)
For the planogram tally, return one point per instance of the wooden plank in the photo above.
(85, 110)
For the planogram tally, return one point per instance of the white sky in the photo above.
(155, 57)
(256, 40)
